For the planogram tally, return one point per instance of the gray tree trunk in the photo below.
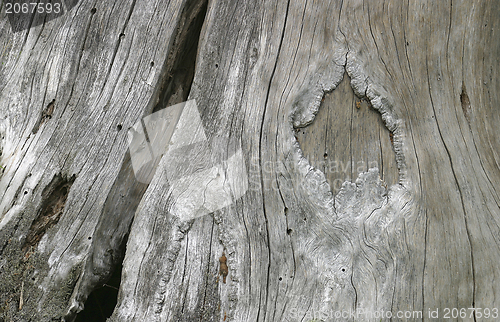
(340, 163)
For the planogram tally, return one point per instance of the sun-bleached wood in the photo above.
(296, 84)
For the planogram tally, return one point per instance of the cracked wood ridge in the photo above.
(369, 134)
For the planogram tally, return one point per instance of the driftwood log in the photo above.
(343, 164)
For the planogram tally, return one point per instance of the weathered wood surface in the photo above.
(347, 138)
(423, 238)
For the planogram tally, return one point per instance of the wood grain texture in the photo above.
(348, 137)
(409, 86)
(95, 61)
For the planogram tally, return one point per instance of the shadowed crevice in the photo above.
(178, 71)
(109, 241)
(90, 300)
(102, 301)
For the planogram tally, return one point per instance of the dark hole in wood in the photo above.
(26, 192)
(152, 63)
(466, 107)
(343, 269)
(280, 278)
(93, 11)
(216, 65)
(288, 231)
(122, 35)
(89, 238)
(54, 198)
(102, 301)
(325, 155)
(119, 127)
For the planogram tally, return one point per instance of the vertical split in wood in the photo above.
(179, 67)
(466, 108)
(45, 115)
(172, 87)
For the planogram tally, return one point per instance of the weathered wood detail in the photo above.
(104, 74)
(402, 97)
(347, 138)
(54, 198)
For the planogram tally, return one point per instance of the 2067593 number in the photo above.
(32, 7)
(485, 313)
